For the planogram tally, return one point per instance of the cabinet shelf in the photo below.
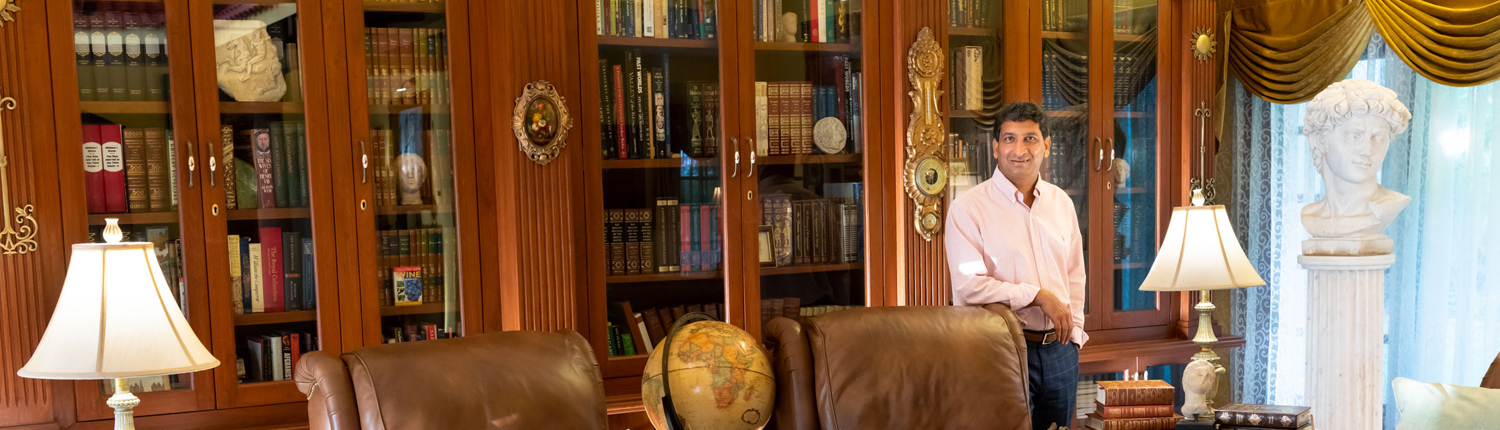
(275, 318)
(811, 268)
(1132, 114)
(438, 7)
(1069, 35)
(1064, 113)
(804, 47)
(957, 114)
(663, 277)
(655, 163)
(1137, 265)
(1132, 190)
(652, 42)
(971, 31)
(136, 218)
(384, 110)
(425, 308)
(810, 159)
(143, 108)
(265, 214)
(409, 210)
(259, 108)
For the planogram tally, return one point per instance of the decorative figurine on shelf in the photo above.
(411, 167)
(1349, 127)
(1122, 172)
(1198, 381)
(789, 27)
(248, 65)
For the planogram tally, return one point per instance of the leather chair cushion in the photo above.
(919, 368)
(1492, 378)
(510, 380)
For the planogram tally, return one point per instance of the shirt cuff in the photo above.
(1025, 294)
(1079, 337)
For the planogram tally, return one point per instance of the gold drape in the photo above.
(1286, 51)
(1455, 44)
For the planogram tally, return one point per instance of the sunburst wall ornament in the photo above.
(6, 7)
(1203, 44)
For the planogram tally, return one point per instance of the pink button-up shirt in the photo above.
(1001, 251)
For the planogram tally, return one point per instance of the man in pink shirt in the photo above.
(1014, 239)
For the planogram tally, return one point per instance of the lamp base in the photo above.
(124, 404)
(1205, 339)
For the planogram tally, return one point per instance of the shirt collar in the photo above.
(1009, 189)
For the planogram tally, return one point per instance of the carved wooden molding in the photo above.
(21, 238)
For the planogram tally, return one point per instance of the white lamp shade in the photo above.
(1200, 252)
(116, 318)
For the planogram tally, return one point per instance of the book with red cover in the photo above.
(265, 177)
(1134, 393)
(687, 256)
(619, 99)
(292, 344)
(1156, 423)
(1138, 411)
(271, 263)
(705, 240)
(93, 168)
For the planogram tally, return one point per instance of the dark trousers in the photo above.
(1053, 370)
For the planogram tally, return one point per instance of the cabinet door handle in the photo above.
(192, 164)
(213, 170)
(1100, 164)
(736, 143)
(751, 173)
(364, 164)
(1111, 144)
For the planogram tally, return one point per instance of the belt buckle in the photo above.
(1049, 337)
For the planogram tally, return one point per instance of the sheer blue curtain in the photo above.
(1442, 295)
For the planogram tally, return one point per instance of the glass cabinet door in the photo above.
(408, 222)
(259, 194)
(1065, 98)
(974, 92)
(804, 126)
(139, 166)
(1131, 172)
(656, 180)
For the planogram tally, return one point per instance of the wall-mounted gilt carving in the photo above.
(6, 8)
(926, 167)
(21, 238)
(1202, 44)
(541, 122)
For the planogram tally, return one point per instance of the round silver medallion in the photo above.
(830, 136)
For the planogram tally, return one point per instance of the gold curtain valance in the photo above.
(1288, 51)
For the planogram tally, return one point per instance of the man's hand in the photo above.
(1061, 316)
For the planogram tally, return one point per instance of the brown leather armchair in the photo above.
(510, 380)
(947, 367)
(1492, 378)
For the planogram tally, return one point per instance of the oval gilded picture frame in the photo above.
(541, 122)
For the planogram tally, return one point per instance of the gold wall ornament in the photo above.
(20, 239)
(1202, 44)
(541, 122)
(6, 8)
(926, 168)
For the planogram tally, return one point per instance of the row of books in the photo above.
(973, 13)
(265, 165)
(413, 264)
(1065, 15)
(1132, 73)
(786, 113)
(273, 275)
(273, 356)
(818, 21)
(433, 146)
(407, 65)
(1131, 17)
(121, 52)
(168, 253)
(967, 86)
(669, 238)
(634, 332)
(661, 19)
(814, 231)
(413, 332)
(642, 120)
(129, 169)
(1133, 405)
(791, 307)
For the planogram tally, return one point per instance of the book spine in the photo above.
(137, 182)
(235, 276)
(695, 111)
(273, 269)
(114, 40)
(685, 246)
(648, 241)
(606, 110)
(672, 240)
(99, 47)
(157, 191)
(1140, 411)
(135, 76)
(82, 50)
(711, 119)
(171, 164)
(632, 242)
(247, 273)
(659, 236)
(617, 260)
(762, 120)
(1135, 396)
(303, 193)
(265, 160)
(291, 241)
(1158, 423)
(622, 149)
(257, 278)
(226, 142)
(279, 158)
(658, 102)
(93, 168)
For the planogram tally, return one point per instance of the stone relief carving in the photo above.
(1349, 127)
(249, 66)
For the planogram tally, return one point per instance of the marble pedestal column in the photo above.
(1345, 313)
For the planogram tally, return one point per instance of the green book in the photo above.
(278, 163)
(305, 196)
(244, 185)
(292, 155)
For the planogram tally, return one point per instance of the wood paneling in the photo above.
(29, 283)
(917, 266)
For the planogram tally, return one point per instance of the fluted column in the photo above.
(1345, 310)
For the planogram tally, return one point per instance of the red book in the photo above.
(1140, 411)
(113, 150)
(1158, 423)
(270, 247)
(265, 177)
(815, 36)
(620, 112)
(93, 169)
(705, 223)
(293, 341)
(431, 331)
(686, 239)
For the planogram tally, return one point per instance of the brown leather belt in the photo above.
(1043, 337)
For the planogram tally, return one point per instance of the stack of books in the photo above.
(1263, 417)
(1133, 405)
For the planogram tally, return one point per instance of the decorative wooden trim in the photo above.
(7, 8)
(22, 238)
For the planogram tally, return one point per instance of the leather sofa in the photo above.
(947, 367)
(510, 380)
(1492, 378)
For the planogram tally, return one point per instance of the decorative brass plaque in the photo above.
(926, 167)
(1202, 44)
(6, 8)
(541, 122)
(21, 238)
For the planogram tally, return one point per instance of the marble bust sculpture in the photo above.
(1198, 380)
(1349, 127)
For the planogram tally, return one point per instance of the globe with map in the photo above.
(720, 376)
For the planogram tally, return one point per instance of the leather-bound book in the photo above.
(158, 191)
(1265, 416)
(1133, 393)
(137, 185)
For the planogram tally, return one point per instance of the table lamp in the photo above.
(116, 319)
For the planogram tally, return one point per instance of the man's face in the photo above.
(1354, 150)
(1020, 149)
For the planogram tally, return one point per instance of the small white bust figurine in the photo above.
(413, 174)
(1349, 128)
(1198, 379)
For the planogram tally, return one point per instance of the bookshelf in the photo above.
(1132, 190)
(955, 113)
(136, 218)
(804, 47)
(655, 163)
(664, 277)
(1065, 114)
(1136, 265)
(1064, 35)
(267, 214)
(251, 108)
(772, 160)
(654, 42)
(811, 268)
(972, 32)
(427, 109)
(394, 7)
(266, 318)
(135, 108)
(425, 308)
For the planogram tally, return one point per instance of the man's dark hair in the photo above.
(1022, 112)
